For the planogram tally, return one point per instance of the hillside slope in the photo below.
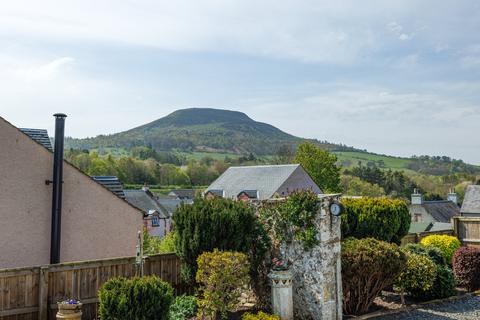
(201, 129)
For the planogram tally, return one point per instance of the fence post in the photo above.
(43, 294)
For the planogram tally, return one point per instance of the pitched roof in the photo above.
(471, 201)
(266, 179)
(172, 204)
(417, 227)
(441, 210)
(112, 183)
(183, 193)
(39, 135)
(145, 202)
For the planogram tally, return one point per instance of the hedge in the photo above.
(380, 218)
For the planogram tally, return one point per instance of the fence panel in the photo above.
(467, 230)
(32, 293)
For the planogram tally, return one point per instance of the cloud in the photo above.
(44, 72)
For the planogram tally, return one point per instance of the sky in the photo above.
(393, 77)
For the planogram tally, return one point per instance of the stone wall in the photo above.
(317, 286)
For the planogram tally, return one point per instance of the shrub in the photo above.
(418, 274)
(259, 316)
(444, 283)
(447, 245)
(218, 223)
(368, 266)
(466, 266)
(221, 276)
(442, 287)
(380, 218)
(135, 299)
(167, 244)
(432, 252)
(183, 308)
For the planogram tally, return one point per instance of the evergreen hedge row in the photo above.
(380, 218)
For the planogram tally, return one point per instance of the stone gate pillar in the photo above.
(317, 279)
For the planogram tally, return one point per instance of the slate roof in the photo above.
(112, 183)
(172, 204)
(145, 202)
(183, 193)
(39, 135)
(471, 201)
(441, 210)
(266, 179)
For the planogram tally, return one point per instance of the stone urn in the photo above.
(282, 296)
(69, 309)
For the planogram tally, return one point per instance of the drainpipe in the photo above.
(57, 188)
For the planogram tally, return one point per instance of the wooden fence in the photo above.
(416, 237)
(32, 293)
(467, 229)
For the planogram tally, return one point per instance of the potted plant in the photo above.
(69, 309)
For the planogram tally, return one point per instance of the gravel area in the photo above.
(466, 308)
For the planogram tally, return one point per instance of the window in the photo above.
(155, 222)
(417, 217)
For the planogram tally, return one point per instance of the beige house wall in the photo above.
(96, 224)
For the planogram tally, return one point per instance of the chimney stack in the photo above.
(57, 188)
(452, 196)
(417, 198)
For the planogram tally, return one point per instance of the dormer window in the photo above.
(155, 222)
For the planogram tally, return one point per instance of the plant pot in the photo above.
(282, 295)
(69, 311)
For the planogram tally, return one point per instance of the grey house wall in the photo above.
(95, 223)
(298, 180)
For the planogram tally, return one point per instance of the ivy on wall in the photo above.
(292, 219)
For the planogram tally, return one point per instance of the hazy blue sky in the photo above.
(394, 77)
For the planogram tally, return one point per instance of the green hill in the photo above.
(201, 130)
(197, 132)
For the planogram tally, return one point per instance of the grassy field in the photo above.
(393, 163)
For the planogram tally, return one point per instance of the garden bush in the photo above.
(466, 266)
(380, 218)
(419, 274)
(259, 316)
(432, 252)
(442, 287)
(135, 299)
(155, 245)
(447, 245)
(368, 266)
(183, 308)
(218, 223)
(444, 283)
(222, 276)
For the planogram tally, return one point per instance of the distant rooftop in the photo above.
(264, 179)
(471, 202)
(112, 183)
(145, 202)
(39, 135)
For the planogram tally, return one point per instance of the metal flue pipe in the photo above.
(57, 188)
